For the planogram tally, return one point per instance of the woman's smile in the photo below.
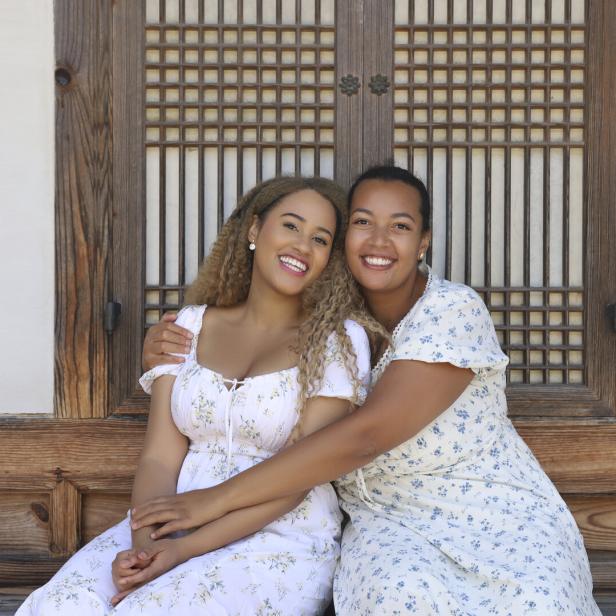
(293, 265)
(377, 262)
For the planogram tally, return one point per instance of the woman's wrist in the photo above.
(186, 548)
(141, 539)
(226, 497)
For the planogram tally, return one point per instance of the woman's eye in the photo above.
(402, 226)
(320, 240)
(360, 221)
(290, 225)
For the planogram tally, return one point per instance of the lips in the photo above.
(293, 265)
(377, 262)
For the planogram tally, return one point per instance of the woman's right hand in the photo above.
(128, 563)
(183, 511)
(163, 339)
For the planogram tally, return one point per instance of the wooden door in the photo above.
(167, 110)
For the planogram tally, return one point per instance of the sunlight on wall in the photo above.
(26, 206)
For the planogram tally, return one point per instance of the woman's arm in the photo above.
(179, 511)
(163, 452)
(409, 396)
(165, 553)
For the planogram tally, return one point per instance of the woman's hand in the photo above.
(179, 512)
(127, 563)
(163, 339)
(150, 563)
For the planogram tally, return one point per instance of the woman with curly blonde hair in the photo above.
(277, 353)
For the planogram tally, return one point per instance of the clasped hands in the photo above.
(190, 510)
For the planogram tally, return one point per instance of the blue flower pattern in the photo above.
(460, 519)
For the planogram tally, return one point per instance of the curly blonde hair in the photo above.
(224, 280)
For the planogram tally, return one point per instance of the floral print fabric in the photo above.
(460, 519)
(284, 569)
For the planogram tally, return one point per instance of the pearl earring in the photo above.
(252, 246)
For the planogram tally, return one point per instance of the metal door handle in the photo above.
(379, 84)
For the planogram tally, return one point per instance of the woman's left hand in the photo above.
(162, 556)
(178, 512)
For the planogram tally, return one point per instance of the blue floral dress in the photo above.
(460, 519)
(287, 568)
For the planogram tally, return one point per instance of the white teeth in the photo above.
(378, 260)
(294, 264)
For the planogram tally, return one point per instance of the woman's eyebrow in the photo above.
(395, 215)
(362, 209)
(404, 215)
(304, 220)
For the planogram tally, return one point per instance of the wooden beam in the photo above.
(64, 519)
(579, 456)
(83, 197)
(95, 454)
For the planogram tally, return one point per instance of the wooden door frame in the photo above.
(99, 176)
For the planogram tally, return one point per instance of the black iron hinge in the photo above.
(112, 314)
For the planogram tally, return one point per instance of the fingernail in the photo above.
(142, 555)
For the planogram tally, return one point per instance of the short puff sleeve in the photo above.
(453, 326)
(337, 382)
(189, 317)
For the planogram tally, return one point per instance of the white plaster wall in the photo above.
(26, 206)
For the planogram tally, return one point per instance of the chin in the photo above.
(372, 285)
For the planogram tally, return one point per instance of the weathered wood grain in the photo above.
(24, 523)
(377, 121)
(64, 519)
(603, 567)
(83, 196)
(596, 518)
(349, 108)
(127, 259)
(95, 454)
(600, 247)
(100, 510)
(16, 571)
(579, 456)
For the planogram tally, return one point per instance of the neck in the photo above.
(389, 307)
(266, 309)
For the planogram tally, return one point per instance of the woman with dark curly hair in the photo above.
(274, 357)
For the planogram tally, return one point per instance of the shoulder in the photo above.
(191, 317)
(355, 331)
(454, 293)
(359, 341)
(453, 299)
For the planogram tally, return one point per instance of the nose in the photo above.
(379, 236)
(303, 243)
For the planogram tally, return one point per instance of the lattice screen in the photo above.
(489, 108)
(236, 92)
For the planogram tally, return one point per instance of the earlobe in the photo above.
(254, 230)
(424, 245)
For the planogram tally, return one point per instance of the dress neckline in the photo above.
(235, 382)
(403, 321)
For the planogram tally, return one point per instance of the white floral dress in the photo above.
(286, 568)
(460, 519)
